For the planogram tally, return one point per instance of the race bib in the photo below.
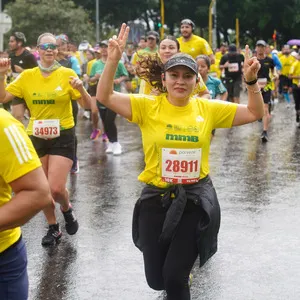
(262, 82)
(181, 166)
(46, 129)
(233, 67)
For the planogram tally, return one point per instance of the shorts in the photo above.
(92, 90)
(64, 145)
(267, 96)
(233, 87)
(13, 272)
(17, 100)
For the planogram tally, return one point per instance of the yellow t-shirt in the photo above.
(286, 62)
(214, 70)
(46, 98)
(89, 69)
(17, 158)
(165, 126)
(195, 46)
(146, 88)
(295, 71)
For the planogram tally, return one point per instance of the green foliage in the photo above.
(55, 16)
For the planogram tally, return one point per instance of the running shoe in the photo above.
(109, 148)
(53, 235)
(75, 166)
(95, 134)
(86, 115)
(264, 137)
(104, 137)
(117, 148)
(71, 221)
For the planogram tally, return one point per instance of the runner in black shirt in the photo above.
(232, 63)
(21, 59)
(265, 83)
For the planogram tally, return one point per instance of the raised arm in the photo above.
(118, 102)
(254, 110)
(4, 67)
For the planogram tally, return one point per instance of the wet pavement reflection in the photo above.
(259, 241)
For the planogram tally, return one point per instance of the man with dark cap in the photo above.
(265, 83)
(232, 64)
(192, 44)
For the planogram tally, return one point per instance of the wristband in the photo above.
(250, 82)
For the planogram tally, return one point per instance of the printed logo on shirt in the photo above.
(21, 61)
(58, 88)
(50, 101)
(182, 138)
(175, 127)
(199, 119)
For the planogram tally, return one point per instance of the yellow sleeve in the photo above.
(206, 49)
(16, 87)
(139, 107)
(201, 84)
(18, 156)
(223, 113)
(134, 59)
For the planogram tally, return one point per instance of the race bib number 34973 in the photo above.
(46, 129)
(181, 166)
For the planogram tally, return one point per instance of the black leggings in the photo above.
(75, 114)
(296, 95)
(168, 267)
(108, 118)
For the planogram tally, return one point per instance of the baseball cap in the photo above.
(232, 48)
(188, 21)
(19, 36)
(152, 34)
(103, 43)
(181, 59)
(261, 43)
(84, 45)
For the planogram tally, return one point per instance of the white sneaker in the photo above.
(86, 114)
(109, 148)
(117, 148)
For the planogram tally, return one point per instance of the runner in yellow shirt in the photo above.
(177, 217)
(295, 76)
(192, 44)
(167, 48)
(48, 90)
(20, 172)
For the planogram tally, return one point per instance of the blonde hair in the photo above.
(43, 35)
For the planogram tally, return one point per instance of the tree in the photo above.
(34, 17)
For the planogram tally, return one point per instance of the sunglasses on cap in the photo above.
(47, 46)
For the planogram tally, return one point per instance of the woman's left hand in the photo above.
(251, 66)
(76, 83)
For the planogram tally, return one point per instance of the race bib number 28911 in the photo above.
(181, 166)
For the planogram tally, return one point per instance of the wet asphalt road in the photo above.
(259, 240)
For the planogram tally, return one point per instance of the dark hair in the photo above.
(205, 58)
(150, 68)
(172, 38)
(91, 52)
(143, 37)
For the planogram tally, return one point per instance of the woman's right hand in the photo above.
(4, 65)
(116, 45)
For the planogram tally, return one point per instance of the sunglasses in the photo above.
(47, 46)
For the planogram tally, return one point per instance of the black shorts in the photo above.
(267, 96)
(233, 87)
(64, 145)
(92, 90)
(17, 100)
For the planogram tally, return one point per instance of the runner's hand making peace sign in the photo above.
(116, 45)
(251, 66)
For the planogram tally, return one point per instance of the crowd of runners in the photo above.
(177, 90)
